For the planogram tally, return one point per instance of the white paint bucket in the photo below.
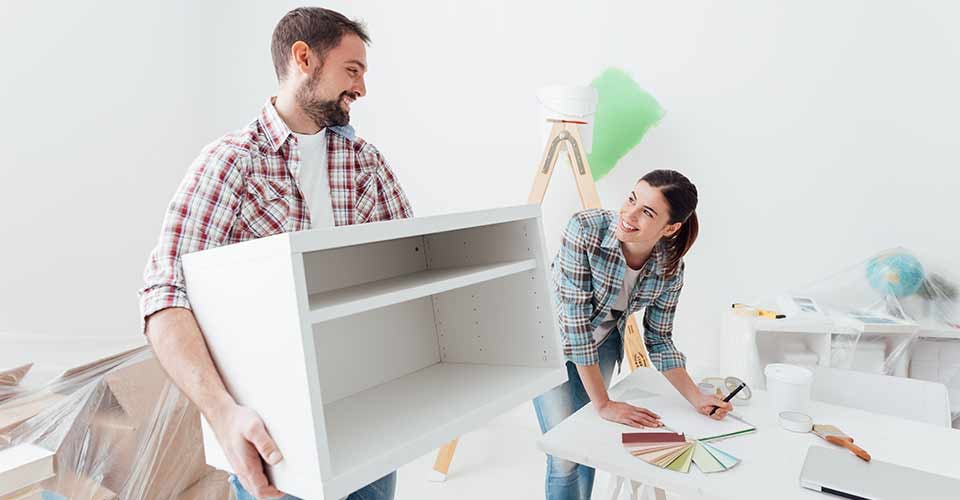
(568, 102)
(788, 387)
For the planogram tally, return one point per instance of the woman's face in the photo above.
(645, 217)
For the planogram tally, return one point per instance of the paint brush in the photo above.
(834, 435)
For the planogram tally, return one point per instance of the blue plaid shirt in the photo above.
(588, 275)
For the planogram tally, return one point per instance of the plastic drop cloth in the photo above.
(119, 429)
(895, 313)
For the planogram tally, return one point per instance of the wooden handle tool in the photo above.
(846, 443)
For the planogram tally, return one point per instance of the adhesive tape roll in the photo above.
(743, 397)
(796, 421)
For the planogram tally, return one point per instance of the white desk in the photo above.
(771, 458)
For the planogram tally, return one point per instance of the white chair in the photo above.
(908, 398)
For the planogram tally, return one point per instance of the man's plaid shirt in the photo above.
(588, 275)
(242, 187)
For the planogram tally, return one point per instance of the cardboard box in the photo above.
(137, 433)
(72, 486)
(15, 412)
(13, 376)
(164, 454)
(32, 492)
(215, 485)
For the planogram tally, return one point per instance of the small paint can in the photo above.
(796, 421)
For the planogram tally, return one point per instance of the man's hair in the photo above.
(321, 29)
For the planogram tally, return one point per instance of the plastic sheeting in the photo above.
(119, 429)
(895, 313)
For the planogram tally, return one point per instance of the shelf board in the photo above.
(364, 297)
(380, 428)
(789, 325)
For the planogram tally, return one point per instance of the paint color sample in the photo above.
(651, 437)
(705, 461)
(665, 459)
(682, 463)
(624, 114)
(654, 449)
(678, 456)
(726, 459)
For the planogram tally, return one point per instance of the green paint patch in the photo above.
(624, 114)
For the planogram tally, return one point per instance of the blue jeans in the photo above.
(568, 480)
(381, 489)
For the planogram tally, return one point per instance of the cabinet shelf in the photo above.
(359, 298)
(421, 411)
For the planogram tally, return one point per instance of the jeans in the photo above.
(381, 489)
(569, 480)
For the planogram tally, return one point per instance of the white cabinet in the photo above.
(363, 347)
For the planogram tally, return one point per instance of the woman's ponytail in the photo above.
(681, 195)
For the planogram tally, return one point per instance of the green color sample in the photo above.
(682, 463)
(707, 462)
(624, 114)
(726, 459)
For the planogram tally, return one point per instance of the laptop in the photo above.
(839, 472)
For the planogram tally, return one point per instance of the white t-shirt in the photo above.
(314, 179)
(619, 306)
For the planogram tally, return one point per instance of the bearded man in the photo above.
(297, 166)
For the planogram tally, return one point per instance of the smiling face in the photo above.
(332, 87)
(645, 217)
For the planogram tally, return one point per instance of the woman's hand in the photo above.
(706, 403)
(627, 414)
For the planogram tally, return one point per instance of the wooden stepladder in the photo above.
(568, 133)
(565, 135)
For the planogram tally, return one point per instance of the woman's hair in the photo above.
(681, 195)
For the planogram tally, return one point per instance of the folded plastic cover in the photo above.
(896, 313)
(118, 427)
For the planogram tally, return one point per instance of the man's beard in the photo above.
(324, 113)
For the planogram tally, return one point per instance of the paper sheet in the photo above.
(681, 417)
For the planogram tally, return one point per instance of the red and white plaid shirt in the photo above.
(243, 186)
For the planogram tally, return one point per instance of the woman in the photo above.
(609, 267)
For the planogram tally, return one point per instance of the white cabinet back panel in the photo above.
(355, 353)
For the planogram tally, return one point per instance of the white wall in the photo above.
(817, 132)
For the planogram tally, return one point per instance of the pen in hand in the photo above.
(729, 397)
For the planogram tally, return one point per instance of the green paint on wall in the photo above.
(624, 114)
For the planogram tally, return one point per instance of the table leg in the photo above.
(636, 490)
(442, 465)
(613, 487)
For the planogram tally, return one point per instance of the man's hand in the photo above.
(627, 414)
(245, 441)
(705, 404)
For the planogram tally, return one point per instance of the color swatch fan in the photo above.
(669, 450)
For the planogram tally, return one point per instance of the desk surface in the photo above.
(771, 457)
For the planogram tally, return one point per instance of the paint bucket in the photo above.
(707, 389)
(788, 387)
(568, 102)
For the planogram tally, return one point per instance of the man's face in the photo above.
(328, 93)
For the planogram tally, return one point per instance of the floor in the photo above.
(499, 460)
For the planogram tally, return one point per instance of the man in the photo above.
(297, 166)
